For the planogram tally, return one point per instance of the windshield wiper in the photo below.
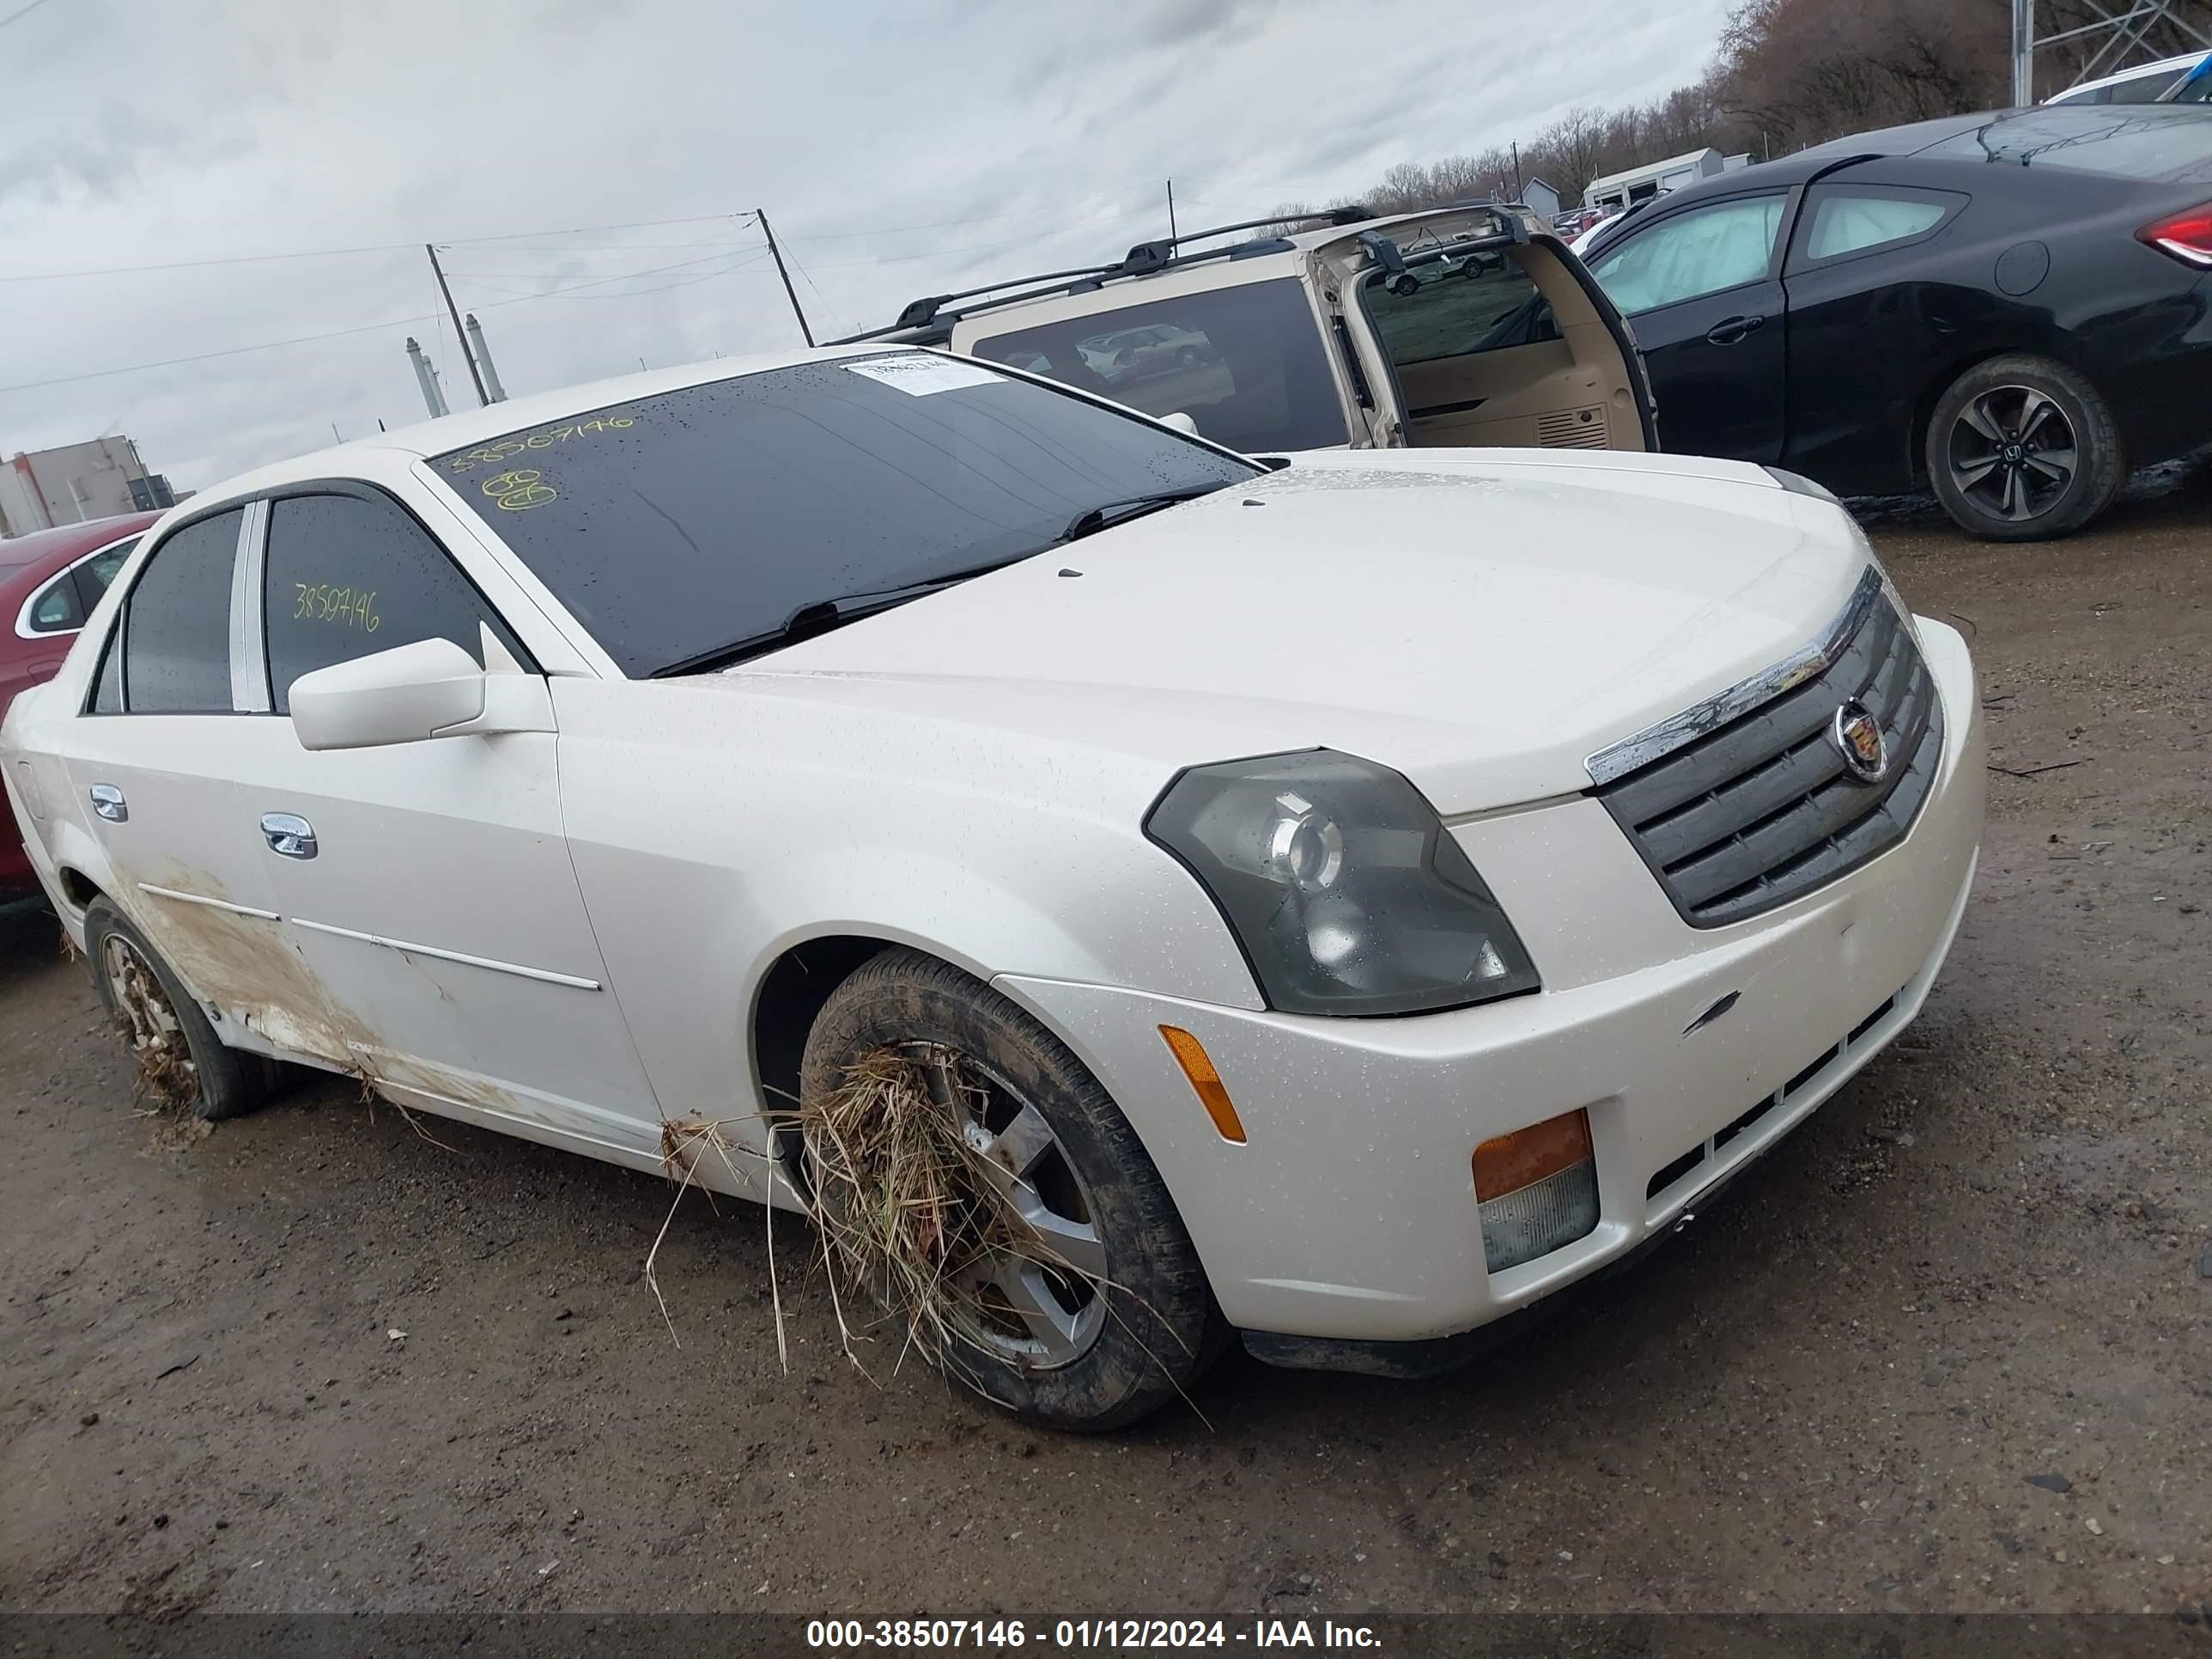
(820, 617)
(1094, 519)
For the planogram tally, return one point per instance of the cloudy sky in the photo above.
(588, 169)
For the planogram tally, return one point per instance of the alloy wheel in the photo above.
(149, 1022)
(2012, 454)
(1030, 1284)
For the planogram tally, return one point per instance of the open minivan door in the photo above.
(1464, 328)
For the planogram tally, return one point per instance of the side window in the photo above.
(2143, 89)
(176, 628)
(1702, 251)
(95, 574)
(1482, 303)
(1846, 221)
(1247, 362)
(57, 608)
(347, 577)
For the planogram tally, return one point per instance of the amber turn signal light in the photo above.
(1198, 1065)
(1506, 1164)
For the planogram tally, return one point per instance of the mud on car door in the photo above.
(428, 885)
(150, 773)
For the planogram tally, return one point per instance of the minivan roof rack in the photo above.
(926, 322)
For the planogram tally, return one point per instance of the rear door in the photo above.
(1470, 331)
(1702, 287)
(152, 765)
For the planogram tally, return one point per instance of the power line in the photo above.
(331, 334)
(25, 12)
(232, 352)
(342, 252)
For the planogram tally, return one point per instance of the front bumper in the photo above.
(1350, 1213)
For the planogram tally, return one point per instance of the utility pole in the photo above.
(453, 310)
(481, 353)
(776, 253)
(1520, 190)
(1171, 223)
(2023, 53)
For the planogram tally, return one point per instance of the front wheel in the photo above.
(983, 1185)
(2022, 449)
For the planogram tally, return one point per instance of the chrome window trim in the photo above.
(1619, 760)
(249, 673)
(23, 629)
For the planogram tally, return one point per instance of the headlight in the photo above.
(1342, 886)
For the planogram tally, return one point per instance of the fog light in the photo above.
(1537, 1190)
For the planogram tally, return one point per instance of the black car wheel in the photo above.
(2023, 449)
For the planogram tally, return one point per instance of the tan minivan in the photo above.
(1462, 326)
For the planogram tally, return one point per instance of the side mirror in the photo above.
(431, 689)
(1180, 422)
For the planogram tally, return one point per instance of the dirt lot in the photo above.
(1951, 1350)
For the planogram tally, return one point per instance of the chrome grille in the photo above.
(1747, 802)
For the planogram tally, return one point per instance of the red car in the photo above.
(49, 582)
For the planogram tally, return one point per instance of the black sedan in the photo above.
(2014, 309)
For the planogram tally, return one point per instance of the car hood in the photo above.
(1482, 621)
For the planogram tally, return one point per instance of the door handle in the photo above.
(288, 835)
(107, 801)
(1730, 330)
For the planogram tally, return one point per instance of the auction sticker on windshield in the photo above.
(920, 375)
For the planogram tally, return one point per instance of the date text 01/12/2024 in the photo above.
(988, 1634)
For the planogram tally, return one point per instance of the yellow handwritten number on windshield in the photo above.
(519, 489)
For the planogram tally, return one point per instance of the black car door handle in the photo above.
(1730, 330)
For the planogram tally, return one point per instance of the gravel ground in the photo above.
(1948, 1351)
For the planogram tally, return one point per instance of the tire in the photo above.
(144, 996)
(1150, 1327)
(1993, 444)
(1187, 357)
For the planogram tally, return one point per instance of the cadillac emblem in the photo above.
(1857, 737)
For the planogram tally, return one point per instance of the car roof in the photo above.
(2140, 72)
(373, 456)
(64, 542)
(1883, 143)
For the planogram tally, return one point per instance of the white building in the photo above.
(1619, 189)
(97, 479)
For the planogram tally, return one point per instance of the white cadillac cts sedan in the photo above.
(1349, 900)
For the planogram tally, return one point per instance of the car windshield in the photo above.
(677, 524)
(2154, 144)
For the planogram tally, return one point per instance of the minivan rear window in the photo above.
(2154, 143)
(1246, 363)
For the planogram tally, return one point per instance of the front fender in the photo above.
(709, 846)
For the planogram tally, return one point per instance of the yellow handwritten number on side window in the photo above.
(347, 607)
(523, 488)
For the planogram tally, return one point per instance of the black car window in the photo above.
(1247, 363)
(176, 628)
(675, 524)
(2155, 142)
(348, 576)
(57, 608)
(1459, 307)
(1849, 219)
(1703, 251)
